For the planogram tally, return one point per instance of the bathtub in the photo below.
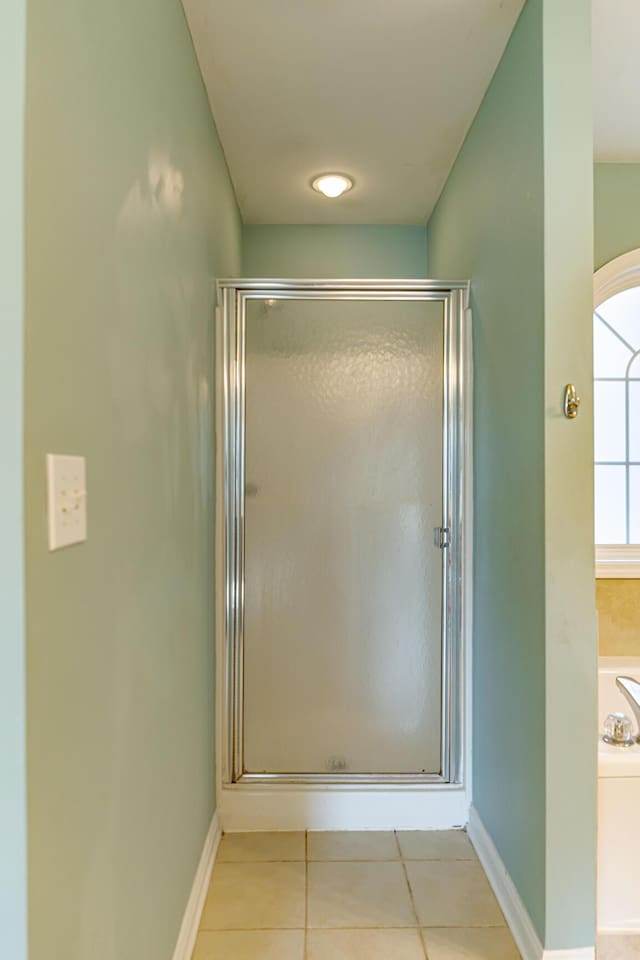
(618, 810)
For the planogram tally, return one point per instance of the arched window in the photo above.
(616, 365)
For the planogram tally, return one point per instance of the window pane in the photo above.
(610, 355)
(634, 420)
(610, 496)
(623, 313)
(634, 505)
(609, 412)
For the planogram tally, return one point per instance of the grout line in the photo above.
(395, 837)
(413, 903)
(415, 926)
(306, 893)
(251, 929)
(270, 860)
(397, 859)
(355, 859)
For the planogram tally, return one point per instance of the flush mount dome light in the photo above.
(332, 184)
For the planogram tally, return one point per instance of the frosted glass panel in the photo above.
(343, 582)
(610, 498)
(609, 413)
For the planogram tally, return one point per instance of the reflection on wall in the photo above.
(618, 603)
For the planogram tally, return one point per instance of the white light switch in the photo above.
(67, 500)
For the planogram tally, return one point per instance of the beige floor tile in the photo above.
(618, 947)
(364, 945)
(353, 845)
(452, 893)
(489, 943)
(358, 895)
(251, 847)
(250, 945)
(435, 845)
(251, 896)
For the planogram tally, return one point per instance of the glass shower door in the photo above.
(343, 578)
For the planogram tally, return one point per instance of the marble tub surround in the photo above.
(363, 895)
(618, 603)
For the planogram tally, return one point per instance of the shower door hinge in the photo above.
(441, 537)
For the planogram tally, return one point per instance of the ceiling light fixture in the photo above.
(332, 184)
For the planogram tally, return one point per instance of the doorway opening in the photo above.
(345, 468)
(617, 538)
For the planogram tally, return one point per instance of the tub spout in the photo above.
(631, 689)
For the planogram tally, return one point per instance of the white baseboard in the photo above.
(581, 953)
(248, 807)
(193, 912)
(515, 912)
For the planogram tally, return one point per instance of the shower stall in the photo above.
(344, 467)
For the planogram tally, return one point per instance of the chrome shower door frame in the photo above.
(232, 300)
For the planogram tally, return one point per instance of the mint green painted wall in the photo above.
(130, 217)
(503, 221)
(488, 225)
(334, 251)
(617, 210)
(13, 852)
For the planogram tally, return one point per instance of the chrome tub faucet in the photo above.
(631, 690)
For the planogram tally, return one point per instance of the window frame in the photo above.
(617, 561)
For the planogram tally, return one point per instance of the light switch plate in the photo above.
(67, 500)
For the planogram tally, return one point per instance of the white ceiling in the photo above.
(384, 90)
(616, 79)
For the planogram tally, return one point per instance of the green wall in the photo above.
(13, 853)
(130, 217)
(516, 217)
(488, 225)
(617, 210)
(386, 252)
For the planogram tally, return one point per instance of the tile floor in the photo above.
(351, 896)
(616, 947)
